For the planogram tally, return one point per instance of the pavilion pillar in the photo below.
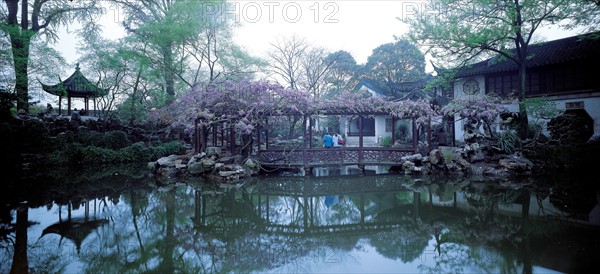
(59, 105)
(68, 105)
(95, 108)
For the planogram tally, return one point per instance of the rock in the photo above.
(168, 160)
(151, 166)
(413, 158)
(195, 168)
(408, 167)
(477, 156)
(516, 163)
(196, 158)
(207, 164)
(213, 152)
(495, 172)
(180, 166)
(435, 157)
(227, 160)
(228, 173)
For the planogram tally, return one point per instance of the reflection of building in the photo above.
(75, 229)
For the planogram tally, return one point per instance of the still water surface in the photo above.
(120, 221)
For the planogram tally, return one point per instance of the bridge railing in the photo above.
(310, 157)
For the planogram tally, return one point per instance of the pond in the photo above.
(118, 220)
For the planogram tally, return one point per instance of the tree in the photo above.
(315, 68)
(286, 59)
(23, 22)
(464, 30)
(394, 63)
(342, 74)
(166, 26)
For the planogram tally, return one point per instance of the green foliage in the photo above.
(77, 153)
(165, 149)
(508, 141)
(114, 140)
(387, 141)
(570, 128)
(111, 140)
(541, 108)
(448, 155)
(394, 63)
(402, 131)
(6, 105)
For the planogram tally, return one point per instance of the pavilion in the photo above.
(76, 86)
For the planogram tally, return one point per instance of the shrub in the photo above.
(115, 140)
(387, 141)
(508, 141)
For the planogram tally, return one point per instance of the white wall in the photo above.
(591, 101)
(459, 94)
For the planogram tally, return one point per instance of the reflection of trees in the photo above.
(207, 228)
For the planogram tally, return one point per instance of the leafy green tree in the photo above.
(464, 30)
(186, 42)
(394, 63)
(342, 74)
(123, 68)
(166, 26)
(25, 20)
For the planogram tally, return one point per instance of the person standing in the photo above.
(327, 140)
(337, 140)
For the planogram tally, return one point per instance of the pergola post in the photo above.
(393, 130)
(309, 135)
(415, 135)
(232, 140)
(258, 129)
(361, 166)
(304, 152)
(267, 133)
(429, 135)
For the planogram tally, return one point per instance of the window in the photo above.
(368, 127)
(388, 125)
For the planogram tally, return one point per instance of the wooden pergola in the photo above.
(76, 86)
(306, 155)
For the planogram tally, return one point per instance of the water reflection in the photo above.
(127, 223)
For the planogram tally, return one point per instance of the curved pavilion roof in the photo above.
(75, 86)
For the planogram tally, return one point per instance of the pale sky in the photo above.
(356, 26)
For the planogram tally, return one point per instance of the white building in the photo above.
(561, 71)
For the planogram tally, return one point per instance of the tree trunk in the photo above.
(20, 263)
(521, 48)
(168, 71)
(20, 41)
(523, 119)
